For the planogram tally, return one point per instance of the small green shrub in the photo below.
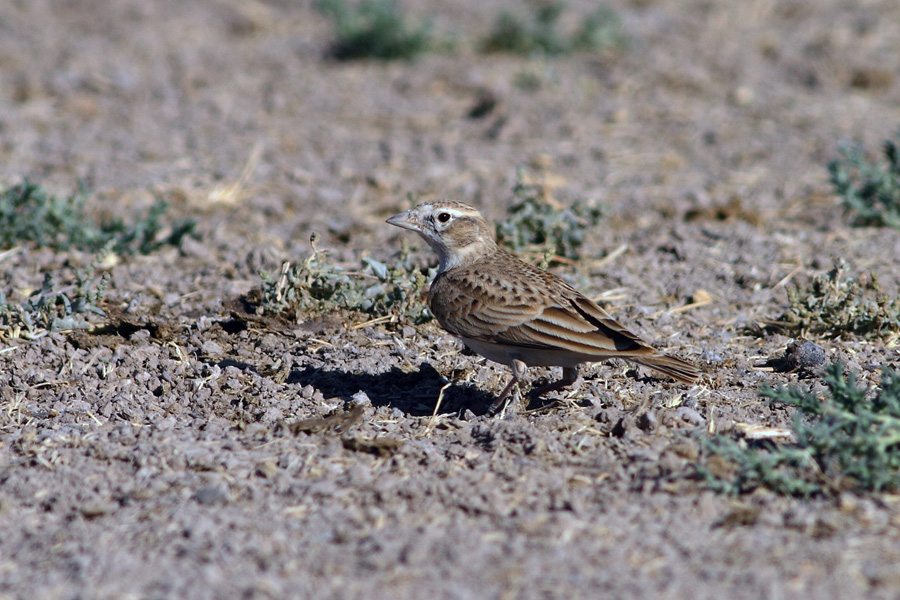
(374, 29)
(848, 439)
(56, 307)
(835, 305)
(541, 34)
(537, 222)
(870, 190)
(29, 213)
(318, 285)
(600, 30)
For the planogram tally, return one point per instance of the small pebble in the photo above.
(689, 415)
(803, 355)
(623, 427)
(267, 468)
(361, 398)
(711, 356)
(648, 421)
(211, 494)
(742, 96)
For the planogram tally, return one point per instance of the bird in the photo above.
(514, 313)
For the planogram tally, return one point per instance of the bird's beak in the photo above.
(406, 220)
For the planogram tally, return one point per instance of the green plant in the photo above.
(538, 222)
(318, 285)
(870, 190)
(374, 29)
(29, 213)
(541, 34)
(55, 307)
(600, 30)
(148, 234)
(847, 439)
(835, 305)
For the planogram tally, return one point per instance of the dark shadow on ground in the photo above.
(414, 393)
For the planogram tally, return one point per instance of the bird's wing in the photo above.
(473, 305)
(576, 325)
(539, 311)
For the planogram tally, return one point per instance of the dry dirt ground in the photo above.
(157, 461)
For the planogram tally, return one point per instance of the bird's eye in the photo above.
(444, 217)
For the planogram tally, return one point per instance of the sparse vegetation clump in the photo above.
(56, 307)
(846, 439)
(541, 34)
(537, 222)
(374, 29)
(319, 285)
(29, 213)
(835, 305)
(870, 190)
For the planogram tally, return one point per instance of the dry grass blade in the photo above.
(616, 253)
(700, 298)
(233, 192)
(437, 406)
(762, 432)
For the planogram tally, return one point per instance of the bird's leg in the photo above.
(518, 371)
(569, 376)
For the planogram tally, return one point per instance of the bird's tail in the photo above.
(677, 369)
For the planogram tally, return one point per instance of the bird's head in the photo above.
(456, 231)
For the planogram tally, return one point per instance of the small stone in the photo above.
(623, 426)
(408, 331)
(95, 509)
(272, 415)
(609, 415)
(711, 356)
(307, 392)
(267, 468)
(77, 406)
(211, 348)
(648, 421)
(166, 424)
(803, 355)
(689, 415)
(211, 494)
(361, 398)
(742, 96)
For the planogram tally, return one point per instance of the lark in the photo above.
(514, 313)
